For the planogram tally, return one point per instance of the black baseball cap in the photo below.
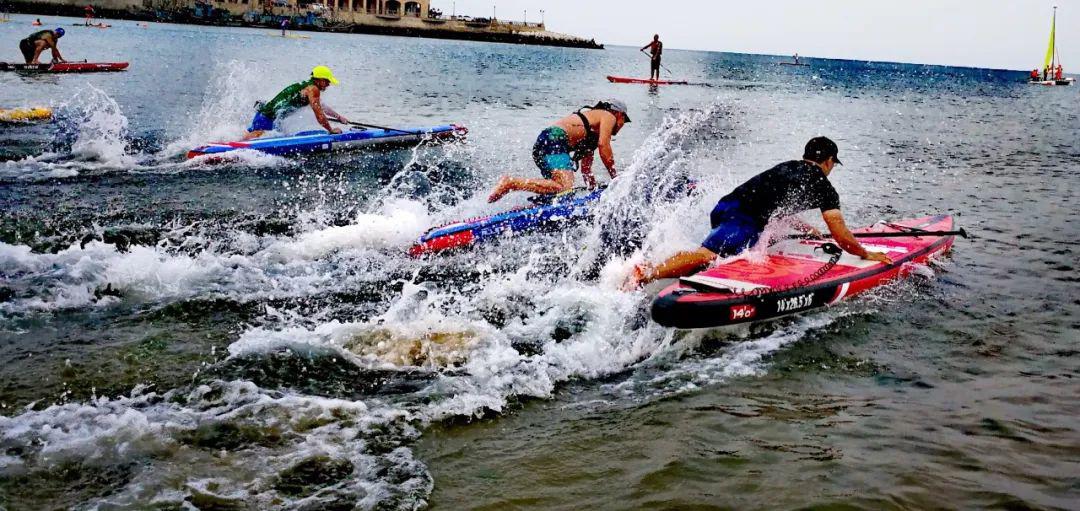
(820, 148)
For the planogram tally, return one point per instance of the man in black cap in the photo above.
(741, 216)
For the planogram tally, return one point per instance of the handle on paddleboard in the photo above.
(907, 234)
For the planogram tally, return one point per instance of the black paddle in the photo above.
(661, 65)
(907, 234)
(362, 125)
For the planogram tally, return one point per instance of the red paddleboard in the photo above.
(740, 291)
(66, 67)
(621, 79)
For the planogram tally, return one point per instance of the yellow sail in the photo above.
(1050, 50)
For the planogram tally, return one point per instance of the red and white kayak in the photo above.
(622, 79)
(66, 67)
(741, 290)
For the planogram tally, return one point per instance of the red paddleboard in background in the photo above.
(621, 79)
(66, 67)
(797, 276)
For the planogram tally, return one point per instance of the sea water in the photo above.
(251, 335)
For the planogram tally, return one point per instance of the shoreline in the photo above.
(187, 17)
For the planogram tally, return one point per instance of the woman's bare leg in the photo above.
(561, 181)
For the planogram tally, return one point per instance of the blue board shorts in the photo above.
(733, 231)
(552, 152)
(261, 123)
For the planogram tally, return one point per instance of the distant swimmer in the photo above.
(32, 46)
(36, 23)
(740, 217)
(656, 51)
(293, 98)
(569, 143)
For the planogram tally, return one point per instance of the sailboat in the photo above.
(1052, 61)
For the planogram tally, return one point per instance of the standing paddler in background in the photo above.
(561, 147)
(740, 217)
(293, 98)
(284, 26)
(89, 11)
(656, 50)
(32, 46)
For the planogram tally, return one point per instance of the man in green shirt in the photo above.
(295, 97)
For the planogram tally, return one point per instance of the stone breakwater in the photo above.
(360, 22)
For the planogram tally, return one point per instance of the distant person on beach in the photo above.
(294, 97)
(32, 46)
(568, 144)
(740, 217)
(89, 11)
(656, 51)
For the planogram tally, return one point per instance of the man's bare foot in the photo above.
(501, 189)
(636, 277)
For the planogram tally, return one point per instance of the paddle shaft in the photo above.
(962, 233)
(362, 125)
(661, 64)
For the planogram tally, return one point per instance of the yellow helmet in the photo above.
(324, 73)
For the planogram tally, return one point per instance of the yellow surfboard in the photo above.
(25, 114)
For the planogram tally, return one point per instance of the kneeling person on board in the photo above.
(295, 97)
(32, 46)
(573, 139)
(740, 217)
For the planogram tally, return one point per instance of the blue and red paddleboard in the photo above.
(790, 279)
(321, 141)
(567, 207)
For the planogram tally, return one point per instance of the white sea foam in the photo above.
(482, 342)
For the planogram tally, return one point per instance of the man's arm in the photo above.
(314, 98)
(333, 114)
(647, 46)
(844, 238)
(586, 171)
(607, 125)
(799, 225)
(56, 57)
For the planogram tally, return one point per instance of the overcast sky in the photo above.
(1010, 34)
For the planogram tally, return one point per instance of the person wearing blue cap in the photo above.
(567, 145)
(740, 217)
(39, 41)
